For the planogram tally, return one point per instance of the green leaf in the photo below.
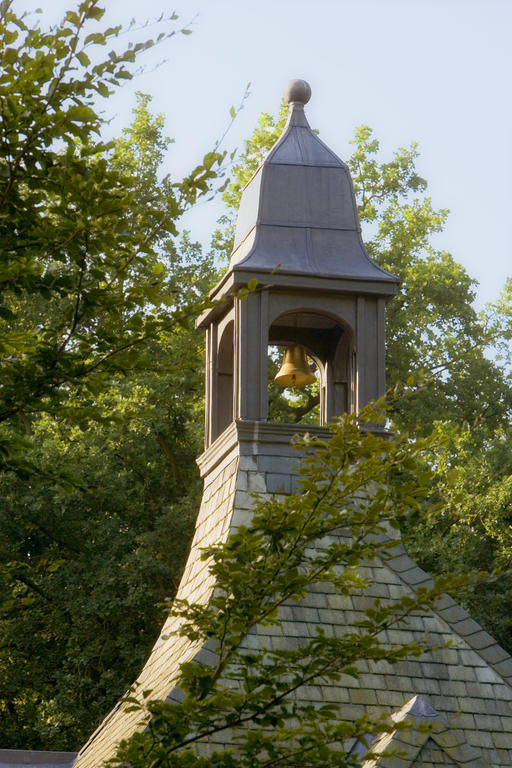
(94, 12)
(9, 56)
(83, 58)
(97, 38)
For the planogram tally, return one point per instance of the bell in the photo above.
(294, 371)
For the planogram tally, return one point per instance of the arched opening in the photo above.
(224, 380)
(329, 346)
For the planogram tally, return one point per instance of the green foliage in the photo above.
(469, 527)
(95, 537)
(354, 487)
(433, 332)
(82, 288)
(83, 567)
(499, 326)
(101, 399)
(437, 341)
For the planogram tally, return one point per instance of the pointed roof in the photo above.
(426, 733)
(298, 213)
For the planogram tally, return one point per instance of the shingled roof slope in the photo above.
(468, 683)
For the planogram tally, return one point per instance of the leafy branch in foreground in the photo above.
(248, 701)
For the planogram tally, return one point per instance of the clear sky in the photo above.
(433, 71)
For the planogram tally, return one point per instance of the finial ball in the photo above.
(297, 90)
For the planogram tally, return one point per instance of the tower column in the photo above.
(251, 342)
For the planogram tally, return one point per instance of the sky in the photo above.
(437, 72)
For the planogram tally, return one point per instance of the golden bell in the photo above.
(294, 371)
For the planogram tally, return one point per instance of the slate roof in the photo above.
(464, 689)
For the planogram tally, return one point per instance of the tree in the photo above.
(433, 331)
(82, 285)
(83, 570)
(245, 695)
(435, 334)
(101, 381)
(470, 525)
(86, 557)
(499, 318)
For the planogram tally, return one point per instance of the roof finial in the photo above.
(297, 91)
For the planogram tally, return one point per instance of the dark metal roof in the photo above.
(27, 758)
(298, 213)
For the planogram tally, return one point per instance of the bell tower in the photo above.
(312, 284)
(313, 288)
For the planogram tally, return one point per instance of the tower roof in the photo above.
(298, 213)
